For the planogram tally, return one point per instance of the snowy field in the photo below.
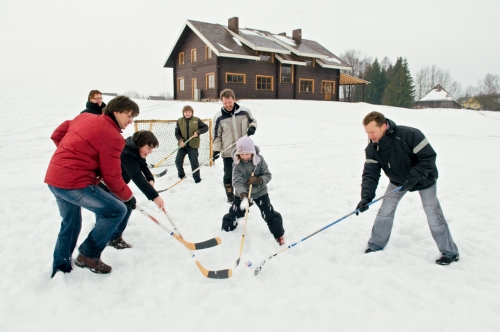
(315, 151)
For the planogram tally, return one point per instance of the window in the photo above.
(236, 78)
(181, 58)
(310, 62)
(265, 56)
(210, 81)
(208, 53)
(264, 83)
(327, 87)
(180, 84)
(306, 85)
(193, 55)
(286, 73)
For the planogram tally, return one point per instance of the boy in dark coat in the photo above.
(247, 160)
(95, 105)
(186, 127)
(135, 168)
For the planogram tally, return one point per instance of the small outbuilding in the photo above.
(438, 97)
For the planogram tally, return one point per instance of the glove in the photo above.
(243, 195)
(216, 154)
(257, 180)
(131, 203)
(408, 183)
(362, 205)
(251, 131)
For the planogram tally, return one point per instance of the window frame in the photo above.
(193, 58)
(207, 85)
(323, 84)
(306, 79)
(291, 76)
(236, 74)
(264, 76)
(208, 53)
(179, 84)
(181, 58)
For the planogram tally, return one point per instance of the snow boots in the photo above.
(119, 244)
(94, 265)
(446, 260)
(229, 192)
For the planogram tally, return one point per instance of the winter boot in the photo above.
(229, 192)
(119, 244)
(446, 260)
(94, 265)
(280, 240)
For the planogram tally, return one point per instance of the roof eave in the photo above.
(290, 62)
(322, 64)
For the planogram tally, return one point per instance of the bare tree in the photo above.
(489, 85)
(470, 91)
(428, 77)
(358, 62)
(132, 94)
(385, 63)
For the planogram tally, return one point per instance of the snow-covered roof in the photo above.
(437, 94)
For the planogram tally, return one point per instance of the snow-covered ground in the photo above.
(315, 151)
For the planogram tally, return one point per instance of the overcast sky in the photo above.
(115, 46)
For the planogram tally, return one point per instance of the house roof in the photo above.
(351, 80)
(226, 43)
(438, 93)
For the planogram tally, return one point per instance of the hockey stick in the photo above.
(184, 178)
(221, 274)
(178, 147)
(259, 267)
(244, 224)
(190, 245)
(159, 175)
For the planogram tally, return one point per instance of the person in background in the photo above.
(188, 126)
(95, 105)
(135, 168)
(230, 123)
(88, 149)
(248, 160)
(408, 160)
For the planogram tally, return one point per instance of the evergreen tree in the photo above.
(400, 91)
(375, 90)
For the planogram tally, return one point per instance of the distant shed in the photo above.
(438, 97)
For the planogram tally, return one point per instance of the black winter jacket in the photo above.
(402, 152)
(136, 169)
(93, 108)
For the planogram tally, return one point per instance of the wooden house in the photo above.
(208, 58)
(438, 97)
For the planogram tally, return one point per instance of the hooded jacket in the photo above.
(402, 152)
(242, 170)
(228, 127)
(87, 146)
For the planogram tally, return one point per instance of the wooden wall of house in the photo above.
(318, 74)
(198, 69)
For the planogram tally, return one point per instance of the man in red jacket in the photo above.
(88, 149)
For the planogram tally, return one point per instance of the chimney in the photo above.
(297, 35)
(232, 24)
(282, 34)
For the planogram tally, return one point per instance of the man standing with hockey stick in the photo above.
(408, 160)
(230, 123)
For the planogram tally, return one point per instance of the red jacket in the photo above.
(86, 145)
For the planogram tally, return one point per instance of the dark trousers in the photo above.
(193, 159)
(228, 170)
(271, 217)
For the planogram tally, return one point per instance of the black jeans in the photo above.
(271, 217)
(228, 170)
(193, 159)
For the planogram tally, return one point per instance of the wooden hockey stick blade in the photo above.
(221, 274)
(159, 175)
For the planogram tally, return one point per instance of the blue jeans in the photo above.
(109, 211)
(439, 228)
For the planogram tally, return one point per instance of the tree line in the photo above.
(394, 85)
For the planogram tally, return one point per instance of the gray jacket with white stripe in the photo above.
(401, 152)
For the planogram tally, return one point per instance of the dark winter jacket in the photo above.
(243, 170)
(186, 128)
(402, 152)
(88, 146)
(228, 127)
(93, 108)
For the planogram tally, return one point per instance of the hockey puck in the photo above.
(248, 263)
